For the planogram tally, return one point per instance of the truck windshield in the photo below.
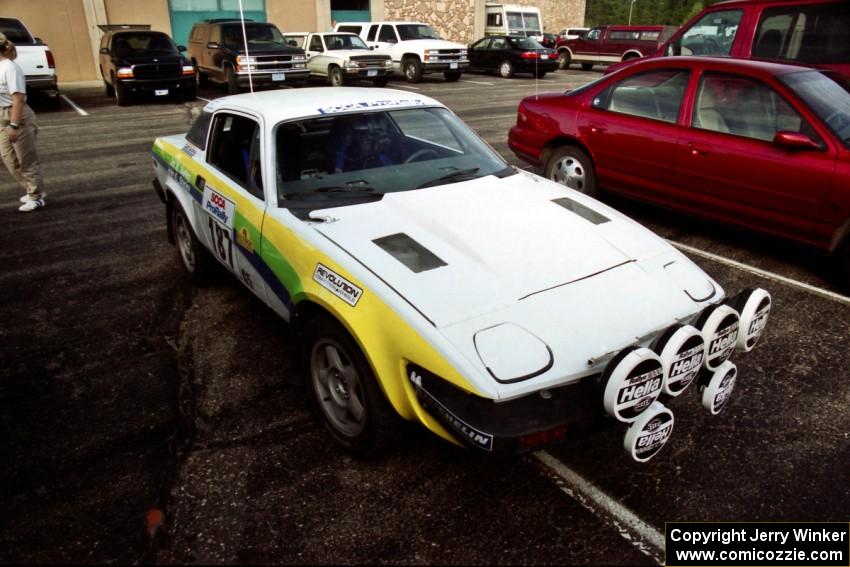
(378, 152)
(828, 95)
(416, 31)
(258, 35)
(15, 32)
(128, 44)
(344, 41)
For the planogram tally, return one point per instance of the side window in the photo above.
(655, 94)
(235, 151)
(741, 106)
(350, 29)
(650, 35)
(498, 43)
(373, 31)
(316, 43)
(593, 35)
(712, 34)
(197, 134)
(811, 33)
(387, 34)
(482, 43)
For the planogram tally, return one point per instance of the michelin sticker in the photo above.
(218, 206)
(337, 285)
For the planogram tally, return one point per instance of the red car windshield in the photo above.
(828, 95)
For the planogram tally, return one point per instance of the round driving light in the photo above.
(632, 381)
(754, 307)
(719, 327)
(648, 434)
(716, 387)
(682, 350)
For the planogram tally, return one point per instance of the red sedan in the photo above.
(760, 145)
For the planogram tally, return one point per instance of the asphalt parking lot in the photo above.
(125, 392)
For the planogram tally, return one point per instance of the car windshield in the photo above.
(344, 41)
(137, 43)
(15, 31)
(524, 43)
(258, 35)
(378, 152)
(828, 95)
(416, 31)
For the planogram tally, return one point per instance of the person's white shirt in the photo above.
(12, 81)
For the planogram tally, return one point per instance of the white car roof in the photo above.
(388, 23)
(279, 105)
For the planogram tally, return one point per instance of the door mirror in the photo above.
(795, 141)
(181, 48)
(213, 45)
(38, 41)
(104, 50)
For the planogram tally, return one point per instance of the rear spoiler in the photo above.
(115, 27)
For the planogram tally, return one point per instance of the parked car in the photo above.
(429, 280)
(548, 40)
(414, 47)
(512, 54)
(35, 58)
(573, 33)
(807, 32)
(762, 146)
(135, 61)
(217, 50)
(344, 57)
(611, 44)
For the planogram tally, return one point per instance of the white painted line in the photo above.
(204, 99)
(408, 87)
(648, 540)
(825, 293)
(74, 106)
(476, 82)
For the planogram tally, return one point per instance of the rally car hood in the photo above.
(467, 249)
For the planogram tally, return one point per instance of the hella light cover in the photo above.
(633, 380)
(716, 387)
(682, 351)
(648, 434)
(719, 326)
(754, 307)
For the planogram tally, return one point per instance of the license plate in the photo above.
(452, 65)
(160, 92)
(371, 73)
(278, 76)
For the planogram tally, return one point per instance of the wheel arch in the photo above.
(561, 141)
(631, 54)
(411, 55)
(841, 237)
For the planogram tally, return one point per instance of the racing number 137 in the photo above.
(221, 242)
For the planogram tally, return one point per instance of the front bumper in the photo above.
(436, 66)
(511, 427)
(150, 86)
(361, 73)
(266, 79)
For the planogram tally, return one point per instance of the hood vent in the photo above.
(586, 213)
(409, 252)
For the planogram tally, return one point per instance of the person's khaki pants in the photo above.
(21, 158)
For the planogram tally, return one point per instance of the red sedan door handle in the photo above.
(697, 150)
(597, 129)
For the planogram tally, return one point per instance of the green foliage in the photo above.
(667, 12)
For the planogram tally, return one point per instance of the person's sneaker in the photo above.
(26, 198)
(31, 206)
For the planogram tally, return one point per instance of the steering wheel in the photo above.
(419, 154)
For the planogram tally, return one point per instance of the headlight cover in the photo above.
(511, 353)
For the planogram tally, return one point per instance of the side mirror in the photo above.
(795, 141)
(181, 48)
(38, 41)
(372, 47)
(104, 50)
(213, 45)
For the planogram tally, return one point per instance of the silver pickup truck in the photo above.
(34, 57)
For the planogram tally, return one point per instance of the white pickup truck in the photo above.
(34, 57)
(415, 48)
(341, 57)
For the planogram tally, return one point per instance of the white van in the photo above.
(511, 19)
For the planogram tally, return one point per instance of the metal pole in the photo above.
(245, 41)
(631, 5)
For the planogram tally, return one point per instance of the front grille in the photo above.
(446, 55)
(268, 63)
(366, 60)
(157, 70)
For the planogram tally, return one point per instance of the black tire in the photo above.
(341, 385)
(231, 80)
(506, 69)
(572, 167)
(630, 56)
(841, 263)
(587, 66)
(540, 74)
(194, 258)
(452, 76)
(412, 69)
(564, 59)
(336, 78)
(110, 92)
(190, 93)
(201, 79)
(122, 94)
(381, 81)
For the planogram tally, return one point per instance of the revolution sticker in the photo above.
(633, 380)
(646, 436)
(337, 285)
(754, 307)
(682, 350)
(719, 325)
(717, 387)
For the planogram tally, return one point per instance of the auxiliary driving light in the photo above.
(719, 327)
(633, 380)
(716, 387)
(682, 351)
(648, 434)
(754, 307)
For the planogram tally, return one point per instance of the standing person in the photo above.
(18, 129)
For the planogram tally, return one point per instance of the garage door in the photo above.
(184, 13)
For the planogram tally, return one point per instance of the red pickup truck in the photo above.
(612, 44)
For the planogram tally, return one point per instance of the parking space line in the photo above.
(476, 82)
(408, 87)
(74, 106)
(204, 99)
(644, 537)
(825, 293)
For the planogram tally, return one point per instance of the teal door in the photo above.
(184, 13)
(351, 15)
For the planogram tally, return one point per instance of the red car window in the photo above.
(655, 94)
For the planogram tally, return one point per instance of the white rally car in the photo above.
(432, 281)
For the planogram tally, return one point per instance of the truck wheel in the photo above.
(540, 74)
(506, 69)
(412, 69)
(841, 261)
(201, 80)
(564, 59)
(571, 166)
(190, 93)
(110, 92)
(452, 76)
(346, 393)
(122, 95)
(336, 77)
(232, 81)
(587, 66)
(193, 256)
(381, 81)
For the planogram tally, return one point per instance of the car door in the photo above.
(632, 130)
(730, 167)
(587, 48)
(315, 49)
(478, 53)
(233, 204)
(386, 40)
(498, 51)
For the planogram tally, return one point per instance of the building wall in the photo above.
(558, 14)
(452, 19)
(153, 12)
(294, 15)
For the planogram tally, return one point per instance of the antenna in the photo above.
(536, 74)
(245, 41)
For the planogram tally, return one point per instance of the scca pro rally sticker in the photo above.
(337, 285)
(219, 207)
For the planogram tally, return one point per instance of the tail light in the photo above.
(521, 114)
(530, 55)
(50, 61)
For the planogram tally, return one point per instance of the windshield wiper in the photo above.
(352, 188)
(453, 176)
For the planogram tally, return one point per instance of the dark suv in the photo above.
(135, 60)
(217, 50)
